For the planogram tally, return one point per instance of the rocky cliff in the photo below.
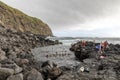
(17, 20)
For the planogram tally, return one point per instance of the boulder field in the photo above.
(16, 59)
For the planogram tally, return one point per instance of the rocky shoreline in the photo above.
(16, 59)
(18, 63)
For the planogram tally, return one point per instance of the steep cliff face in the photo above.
(17, 20)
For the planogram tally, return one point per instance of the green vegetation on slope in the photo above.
(15, 19)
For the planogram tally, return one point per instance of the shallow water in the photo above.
(59, 54)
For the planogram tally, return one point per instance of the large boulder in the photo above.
(17, 69)
(5, 72)
(16, 77)
(11, 65)
(50, 70)
(54, 73)
(33, 75)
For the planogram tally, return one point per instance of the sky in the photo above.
(75, 18)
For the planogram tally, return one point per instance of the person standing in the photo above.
(83, 44)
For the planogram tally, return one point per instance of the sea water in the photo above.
(61, 54)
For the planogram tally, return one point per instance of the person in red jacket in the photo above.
(83, 43)
(106, 44)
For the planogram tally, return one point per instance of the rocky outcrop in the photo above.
(100, 64)
(17, 20)
(33, 75)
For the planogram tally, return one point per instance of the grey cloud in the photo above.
(61, 13)
(64, 13)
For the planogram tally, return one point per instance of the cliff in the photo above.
(17, 20)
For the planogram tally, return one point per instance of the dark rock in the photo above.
(17, 69)
(78, 76)
(7, 61)
(50, 70)
(5, 72)
(54, 73)
(12, 55)
(16, 77)
(65, 68)
(24, 61)
(2, 55)
(33, 75)
(96, 65)
(82, 54)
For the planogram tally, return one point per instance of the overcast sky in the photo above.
(96, 18)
